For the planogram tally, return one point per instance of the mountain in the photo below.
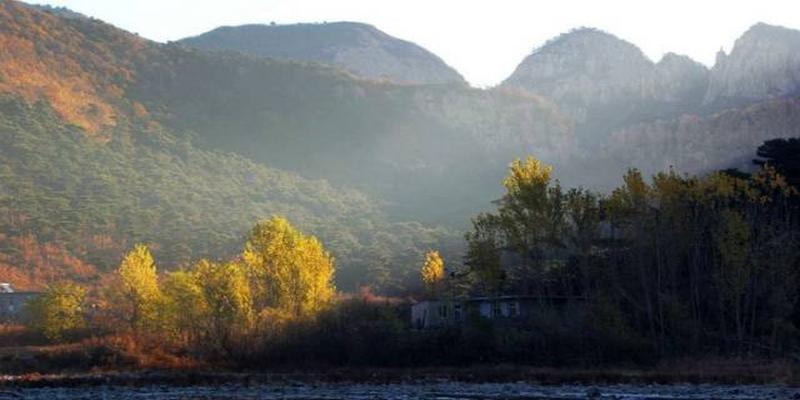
(764, 63)
(699, 143)
(603, 82)
(89, 168)
(630, 112)
(581, 67)
(358, 48)
(108, 139)
(432, 152)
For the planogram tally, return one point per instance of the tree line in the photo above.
(669, 267)
(213, 307)
(680, 264)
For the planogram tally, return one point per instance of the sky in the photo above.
(484, 40)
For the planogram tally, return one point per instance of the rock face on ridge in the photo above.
(358, 48)
(597, 78)
(764, 63)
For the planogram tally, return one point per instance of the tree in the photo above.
(433, 272)
(138, 288)
(483, 258)
(583, 215)
(734, 274)
(228, 299)
(58, 310)
(185, 307)
(784, 156)
(292, 272)
(529, 223)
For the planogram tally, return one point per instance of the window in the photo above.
(512, 309)
(443, 311)
(496, 311)
(457, 312)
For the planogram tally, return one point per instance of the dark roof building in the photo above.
(12, 303)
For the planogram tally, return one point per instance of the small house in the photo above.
(431, 314)
(12, 303)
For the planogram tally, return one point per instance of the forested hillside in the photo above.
(88, 171)
(431, 151)
(117, 139)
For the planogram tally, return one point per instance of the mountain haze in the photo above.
(764, 63)
(628, 111)
(367, 141)
(603, 82)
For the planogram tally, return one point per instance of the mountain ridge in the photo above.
(356, 47)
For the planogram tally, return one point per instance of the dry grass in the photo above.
(23, 352)
(27, 356)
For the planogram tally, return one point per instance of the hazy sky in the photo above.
(484, 40)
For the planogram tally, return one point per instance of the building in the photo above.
(431, 314)
(12, 303)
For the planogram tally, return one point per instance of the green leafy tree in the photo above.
(530, 222)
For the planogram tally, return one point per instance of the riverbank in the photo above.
(408, 391)
(729, 372)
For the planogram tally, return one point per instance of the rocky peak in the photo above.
(678, 78)
(586, 62)
(588, 71)
(764, 63)
(358, 48)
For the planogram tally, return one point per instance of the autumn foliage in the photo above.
(82, 70)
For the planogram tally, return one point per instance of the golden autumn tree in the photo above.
(138, 288)
(228, 301)
(184, 307)
(433, 272)
(292, 271)
(58, 310)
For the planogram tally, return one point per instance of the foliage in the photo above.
(295, 272)
(138, 288)
(58, 311)
(226, 292)
(185, 308)
(433, 271)
(784, 156)
(683, 262)
(92, 201)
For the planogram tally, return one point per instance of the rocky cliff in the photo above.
(764, 64)
(602, 82)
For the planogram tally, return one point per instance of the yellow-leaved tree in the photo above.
(292, 272)
(185, 308)
(433, 272)
(229, 304)
(58, 311)
(138, 289)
